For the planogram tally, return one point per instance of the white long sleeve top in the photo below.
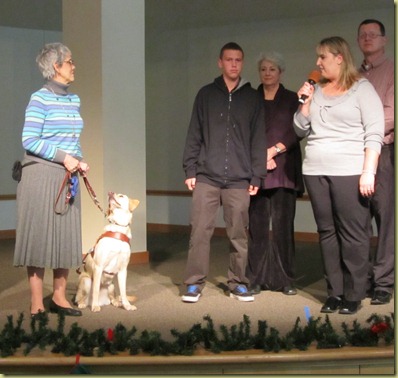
(339, 128)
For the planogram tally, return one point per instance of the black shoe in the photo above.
(255, 289)
(289, 290)
(380, 297)
(67, 311)
(349, 307)
(332, 304)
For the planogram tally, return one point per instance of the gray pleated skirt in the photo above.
(44, 238)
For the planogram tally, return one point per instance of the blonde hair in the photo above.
(338, 46)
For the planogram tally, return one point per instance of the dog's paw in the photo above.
(95, 308)
(116, 303)
(130, 307)
(81, 305)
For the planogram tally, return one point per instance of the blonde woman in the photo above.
(344, 122)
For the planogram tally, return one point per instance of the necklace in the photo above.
(68, 114)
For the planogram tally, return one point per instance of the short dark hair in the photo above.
(230, 46)
(373, 21)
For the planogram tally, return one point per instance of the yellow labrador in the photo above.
(109, 258)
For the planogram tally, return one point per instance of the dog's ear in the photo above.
(133, 203)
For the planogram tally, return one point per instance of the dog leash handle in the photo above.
(91, 192)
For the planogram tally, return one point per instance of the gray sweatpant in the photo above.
(206, 201)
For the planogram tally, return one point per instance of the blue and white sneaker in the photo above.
(192, 295)
(241, 294)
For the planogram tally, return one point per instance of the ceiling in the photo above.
(182, 14)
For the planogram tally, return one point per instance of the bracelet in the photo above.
(369, 171)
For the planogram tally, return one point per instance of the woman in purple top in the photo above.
(271, 259)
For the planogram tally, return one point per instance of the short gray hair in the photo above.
(51, 53)
(273, 57)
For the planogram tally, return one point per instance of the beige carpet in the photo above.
(158, 286)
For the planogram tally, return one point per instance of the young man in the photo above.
(379, 70)
(224, 162)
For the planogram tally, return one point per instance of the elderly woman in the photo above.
(48, 205)
(343, 120)
(271, 259)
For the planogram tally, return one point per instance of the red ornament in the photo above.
(379, 327)
(110, 334)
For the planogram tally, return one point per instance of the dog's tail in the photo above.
(131, 298)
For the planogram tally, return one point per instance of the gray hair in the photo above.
(273, 57)
(51, 53)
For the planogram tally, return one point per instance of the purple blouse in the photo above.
(279, 114)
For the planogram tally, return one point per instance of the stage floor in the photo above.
(158, 286)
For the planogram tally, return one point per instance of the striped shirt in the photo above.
(52, 126)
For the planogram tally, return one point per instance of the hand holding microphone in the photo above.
(313, 78)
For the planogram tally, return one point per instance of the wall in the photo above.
(19, 77)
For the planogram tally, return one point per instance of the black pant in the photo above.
(382, 207)
(271, 260)
(343, 219)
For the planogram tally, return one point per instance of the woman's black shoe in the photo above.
(54, 308)
(332, 304)
(349, 307)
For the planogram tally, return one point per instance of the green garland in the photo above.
(81, 342)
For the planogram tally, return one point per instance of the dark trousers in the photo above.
(271, 260)
(206, 201)
(343, 219)
(382, 206)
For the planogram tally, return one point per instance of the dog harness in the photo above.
(115, 235)
(108, 234)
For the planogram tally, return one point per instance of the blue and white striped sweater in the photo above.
(52, 125)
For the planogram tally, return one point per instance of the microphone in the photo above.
(313, 78)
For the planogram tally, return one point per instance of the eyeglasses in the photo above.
(70, 61)
(370, 35)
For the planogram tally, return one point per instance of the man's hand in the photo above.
(190, 183)
(253, 190)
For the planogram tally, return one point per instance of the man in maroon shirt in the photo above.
(379, 70)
